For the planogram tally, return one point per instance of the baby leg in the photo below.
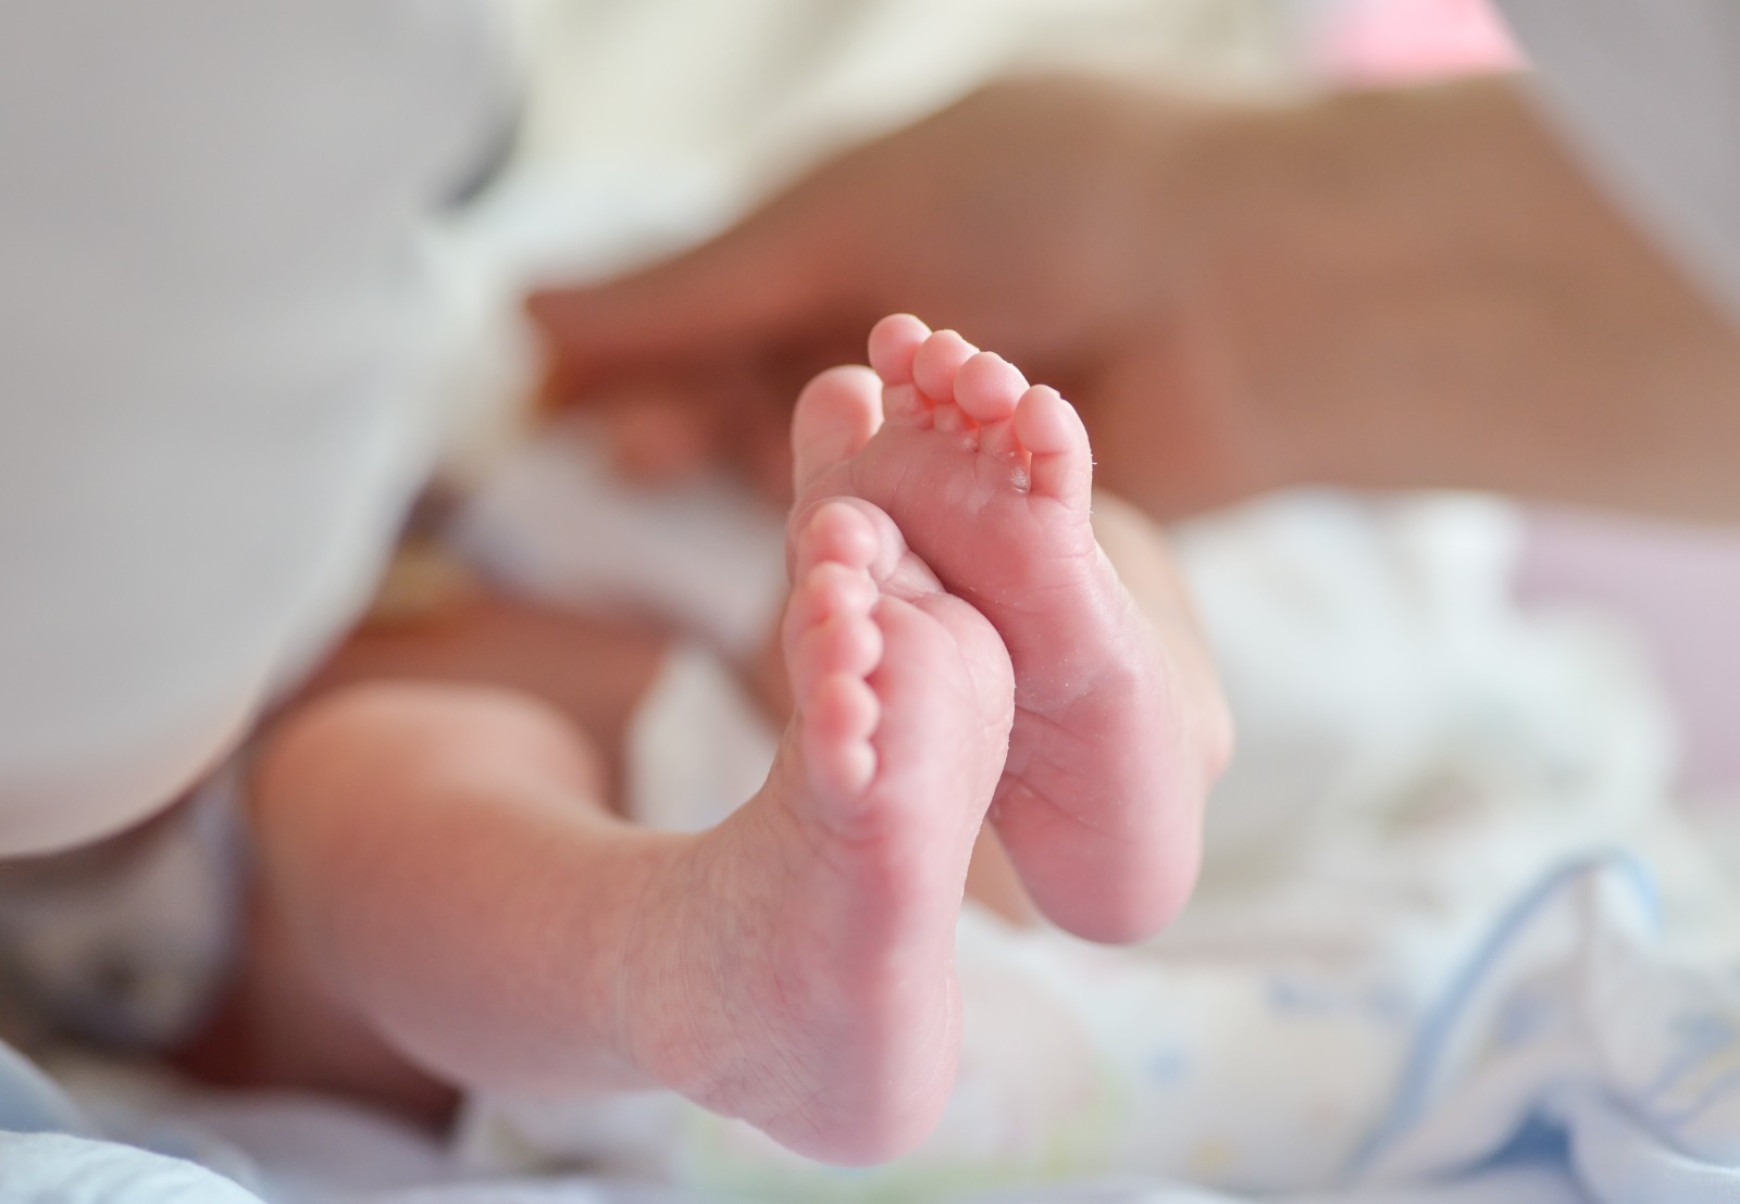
(411, 836)
(441, 856)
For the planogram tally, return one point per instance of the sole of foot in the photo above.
(810, 938)
(990, 480)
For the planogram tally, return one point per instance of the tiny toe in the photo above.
(843, 771)
(836, 530)
(1052, 432)
(894, 341)
(937, 361)
(1046, 424)
(839, 717)
(988, 386)
(860, 536)
(827, 590)
(836, 415)
(845, 644)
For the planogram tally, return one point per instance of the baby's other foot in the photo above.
(990, 480)
(810, 940)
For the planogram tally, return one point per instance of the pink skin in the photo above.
(990, 480)
(793, 966)
(841, 1040)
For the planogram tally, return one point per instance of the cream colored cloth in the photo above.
(218, 348)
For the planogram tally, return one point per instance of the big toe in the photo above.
(894, 344)
(836, 415)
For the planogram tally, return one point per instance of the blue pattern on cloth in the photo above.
(1572, 1055)
(1571, 1058)
(1570, 1038)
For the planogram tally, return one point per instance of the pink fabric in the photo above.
(1383, 41)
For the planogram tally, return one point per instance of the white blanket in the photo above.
(1453, 942)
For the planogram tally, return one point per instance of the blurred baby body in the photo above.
(1251, 1050)
(956, 644)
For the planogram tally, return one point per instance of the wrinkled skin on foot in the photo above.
(807, 963)
(990, 480)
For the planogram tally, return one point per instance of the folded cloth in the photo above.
(50, 1152)
(1428, 785)
(56, 1168)
(1421, 969)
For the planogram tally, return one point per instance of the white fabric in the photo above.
(1414, 756)
(1396, 714)
(215, 329)
(719, 568)
(1651, 91)
(697, 746)
(1415, 946)
(1434, 968)
(55, 1168)
(1410, 949)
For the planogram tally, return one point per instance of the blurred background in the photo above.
(648, 125)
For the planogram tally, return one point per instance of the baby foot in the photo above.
(813, 932)
(1099, 805)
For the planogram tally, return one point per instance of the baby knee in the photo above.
(399, 734)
